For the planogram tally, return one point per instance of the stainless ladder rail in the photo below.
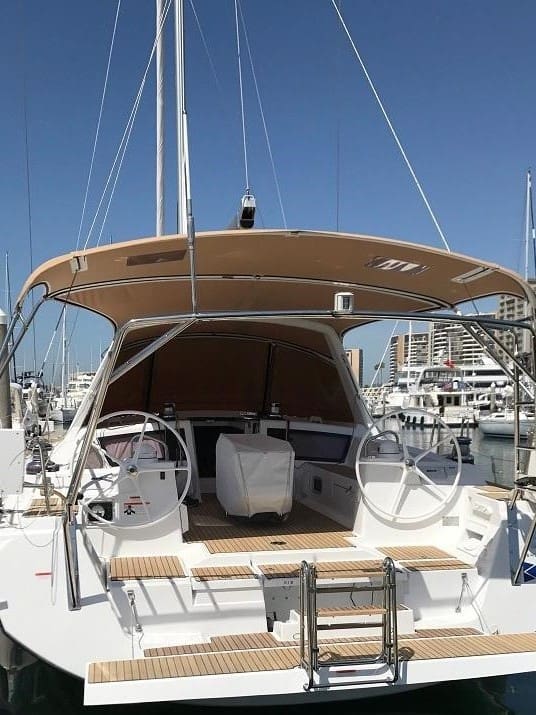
(524, 483)
(309, 650)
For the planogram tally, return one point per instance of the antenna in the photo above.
(247, 210)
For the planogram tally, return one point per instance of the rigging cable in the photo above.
(219, 86)
(98, 125)
(123, 144)
(263, 119)
(239, 59)
(391, 128)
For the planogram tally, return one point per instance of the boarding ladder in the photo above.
(309, 625)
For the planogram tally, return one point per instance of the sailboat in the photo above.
(223, 522)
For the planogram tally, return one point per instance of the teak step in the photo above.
(342, 612)
(216, 573)
(423, 558)
(326, 570)
(283, 658)
(495, 491)
(418, 551)
(139, 567)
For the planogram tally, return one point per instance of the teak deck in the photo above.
(304, 529)
(226, 662)
(38, 507)
(259, 641)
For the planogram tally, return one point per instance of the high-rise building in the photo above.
(513, 308)
(451, 341)
(355, 358)
(408, 349)
(443, 341)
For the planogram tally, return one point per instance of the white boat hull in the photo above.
(504, 427)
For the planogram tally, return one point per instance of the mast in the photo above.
(9, 309)
(63, 353)
(410, 335)
(527, 224)
(530, 219)
(529, 233)
(181, 116)
(160, 190)
(184, 200)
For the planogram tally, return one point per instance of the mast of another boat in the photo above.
(529, 224)
(410, 335)
(530, 233)
(9, 309)
(63, 353)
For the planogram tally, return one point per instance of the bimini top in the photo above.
(269, 271)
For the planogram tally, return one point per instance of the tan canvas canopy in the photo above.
(269, 271)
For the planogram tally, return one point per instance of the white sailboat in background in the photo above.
(518, 420)
(224, 523)
(63, 406)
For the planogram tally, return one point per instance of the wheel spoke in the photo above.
(432, 447)
(401, 488)
(402, 436)
(136, 483)
(380, 463)
(431, 485)
(148, 470)
(140, 441)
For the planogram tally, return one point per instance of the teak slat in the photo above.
(353, 611)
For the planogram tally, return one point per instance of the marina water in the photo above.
(46, 691)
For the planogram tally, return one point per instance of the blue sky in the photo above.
(457, 79)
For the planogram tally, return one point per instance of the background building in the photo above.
(355, 358)
(412, 349)
(441, 342)
(513, 308)
(453, 342)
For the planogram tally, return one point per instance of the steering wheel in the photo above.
(411, 474)
(131, 467)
